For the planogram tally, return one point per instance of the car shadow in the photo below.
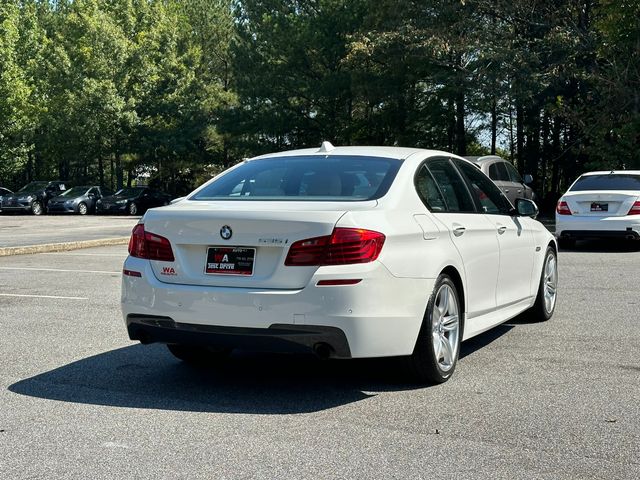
(149, 377)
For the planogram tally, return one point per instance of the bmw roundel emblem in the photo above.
(225, 232)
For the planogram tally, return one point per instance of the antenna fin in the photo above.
(326, 147)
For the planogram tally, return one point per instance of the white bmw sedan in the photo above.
(343, 251)
(600, 205)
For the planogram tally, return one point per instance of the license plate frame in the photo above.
(599, 207)
(242, 257)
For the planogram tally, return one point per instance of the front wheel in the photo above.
(436, 352)
(133, 209)
(198, 355)
(37, 208)
(82, 208)
(545, 303)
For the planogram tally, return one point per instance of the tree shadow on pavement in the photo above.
(148, 376)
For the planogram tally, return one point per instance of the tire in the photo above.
(132, 209)
(436, 352)
(198, 355)
(566, 243)
(37, 208)
(545, 303)
(82, 208)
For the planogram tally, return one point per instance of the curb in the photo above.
(62, 247)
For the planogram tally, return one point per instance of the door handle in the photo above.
(459, 231)
(506, 190)
(502, 229)
(519, 191)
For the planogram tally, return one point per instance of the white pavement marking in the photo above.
(123, 255)
(56, 270)
(41, 296)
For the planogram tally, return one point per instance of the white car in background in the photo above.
(600, 205)
(344, 251)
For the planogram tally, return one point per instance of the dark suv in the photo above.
(33, 197)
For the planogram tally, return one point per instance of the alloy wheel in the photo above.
(550, 282)
(445, 323)
(36, 208)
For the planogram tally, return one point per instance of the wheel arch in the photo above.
(457, 281)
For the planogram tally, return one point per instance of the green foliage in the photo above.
(105, 91)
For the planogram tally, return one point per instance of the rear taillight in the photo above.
(344, 246)
(150, 246)
(635, 209)
(563, 208)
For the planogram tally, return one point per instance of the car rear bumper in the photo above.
(586, 234)
(380, 316)
(326, 341)
(568, 226)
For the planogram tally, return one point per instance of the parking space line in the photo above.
(21, 295)
(69, 254)
(57, 270)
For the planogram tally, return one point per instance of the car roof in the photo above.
(398, 153)
(612, 172)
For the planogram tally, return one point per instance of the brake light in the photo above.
(635, 209)
(150, 246)
(563, 208)
(343, 247)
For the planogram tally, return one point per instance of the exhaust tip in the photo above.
(323, 350)
(143, 337)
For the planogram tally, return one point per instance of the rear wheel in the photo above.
(545, 303)
(436, 352)
(82, 208)
(198, 355)
(37, 208)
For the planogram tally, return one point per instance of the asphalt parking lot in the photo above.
(79, 400)
(22, 230)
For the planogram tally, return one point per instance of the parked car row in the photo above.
(43, 197)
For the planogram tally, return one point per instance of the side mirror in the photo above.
(528, 179)
(526, 208)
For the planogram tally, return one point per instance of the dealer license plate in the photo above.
(599, 207)
(230, 261)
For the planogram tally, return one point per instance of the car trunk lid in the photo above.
(253, 255)
(600, 204)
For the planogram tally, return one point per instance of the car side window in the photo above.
(486, 193)
(429, 191)
(513, 173)
(498, 172)
(453, 188)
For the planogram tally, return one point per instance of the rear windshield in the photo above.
(308, 178)
(607, 182)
